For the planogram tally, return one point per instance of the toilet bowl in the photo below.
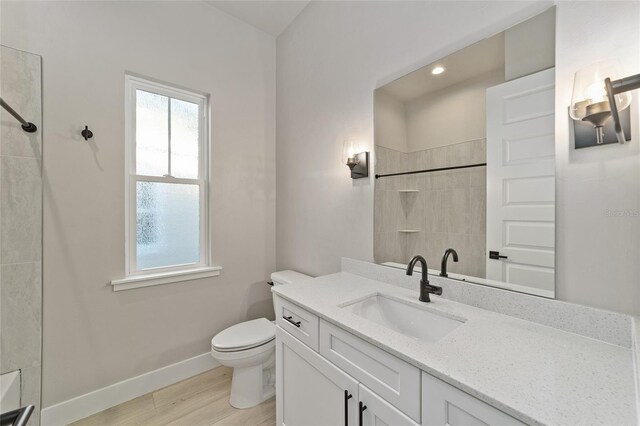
(249, 348)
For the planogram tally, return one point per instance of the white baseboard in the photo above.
(101, 399)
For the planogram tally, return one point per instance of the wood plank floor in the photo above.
(200, 400)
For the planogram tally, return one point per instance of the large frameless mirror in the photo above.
(465, 160)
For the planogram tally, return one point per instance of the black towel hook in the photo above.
(86, 133)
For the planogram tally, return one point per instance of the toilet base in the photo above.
(251, 386)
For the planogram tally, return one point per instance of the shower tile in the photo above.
(477, 211)
(438, 157)
(437, 243)
(21, 315)
(388, 211)
(411, 204)
(478, 177)
(416, 181)
(439, 180)
(458, 154)
(457, 179)
(457, 211)
(410, 244)
(419, 160)
(388, 247)
(20, 209)
(20, 86)
(449, 209)
(415, 213)
(475, 253)
(478, 151)
(434, 205)
(390, 161)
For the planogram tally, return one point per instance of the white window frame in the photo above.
(135, 277)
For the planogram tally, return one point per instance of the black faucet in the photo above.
(445, 257)
(425, 287)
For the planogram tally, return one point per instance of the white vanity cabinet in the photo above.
(354, 383)
(309, 389)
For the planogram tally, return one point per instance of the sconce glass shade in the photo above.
(349, 151)
(356, 158)
(589, 98)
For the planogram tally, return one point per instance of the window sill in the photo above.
(138, 281)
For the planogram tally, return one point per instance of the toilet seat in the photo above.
(244, 336)
(242, 356)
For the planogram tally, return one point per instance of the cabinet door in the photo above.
(311, 390)
(443, 404)
(375, 411)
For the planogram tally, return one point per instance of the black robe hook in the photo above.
(86, 133)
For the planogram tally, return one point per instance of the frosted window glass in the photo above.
(167, 224)
(152, 134)
(184, 139)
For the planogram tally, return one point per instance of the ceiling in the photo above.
(271, 16)
(478, 59)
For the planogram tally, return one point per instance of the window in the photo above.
(167, 180)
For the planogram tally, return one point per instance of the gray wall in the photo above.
(327, 72)
(21, 224)
(530, 46)
(452, 115)
(94, 337)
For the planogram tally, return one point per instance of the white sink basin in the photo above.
(415, 321)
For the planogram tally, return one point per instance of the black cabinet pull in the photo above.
(291, 321)
(362, 407)
(495, 255)
(347, 397)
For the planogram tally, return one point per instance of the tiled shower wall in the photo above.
(21, 224)
(449, 209)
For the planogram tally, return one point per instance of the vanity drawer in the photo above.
(299, 322)
(396, 381)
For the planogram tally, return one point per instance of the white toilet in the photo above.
(249, 347)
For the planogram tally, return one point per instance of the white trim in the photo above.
(101, 399)
(133, 83)
(159, 278)
(635, 350)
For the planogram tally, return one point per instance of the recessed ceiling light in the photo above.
(437, 70)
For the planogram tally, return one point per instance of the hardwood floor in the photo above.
(200, 400)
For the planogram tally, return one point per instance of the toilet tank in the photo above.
(287, 277)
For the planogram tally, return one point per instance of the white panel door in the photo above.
(375, 411)
(521, 183)
(311, 390)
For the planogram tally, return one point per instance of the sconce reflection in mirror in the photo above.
(357, 159)
(596, 98)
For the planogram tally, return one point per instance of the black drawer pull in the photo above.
(347, 397)
(290, 320)
(362, 408)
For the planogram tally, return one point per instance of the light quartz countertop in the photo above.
(535, 373)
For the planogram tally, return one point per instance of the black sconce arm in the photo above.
(615, 87)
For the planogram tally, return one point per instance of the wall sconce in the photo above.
(595, 98)
(357, 159)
